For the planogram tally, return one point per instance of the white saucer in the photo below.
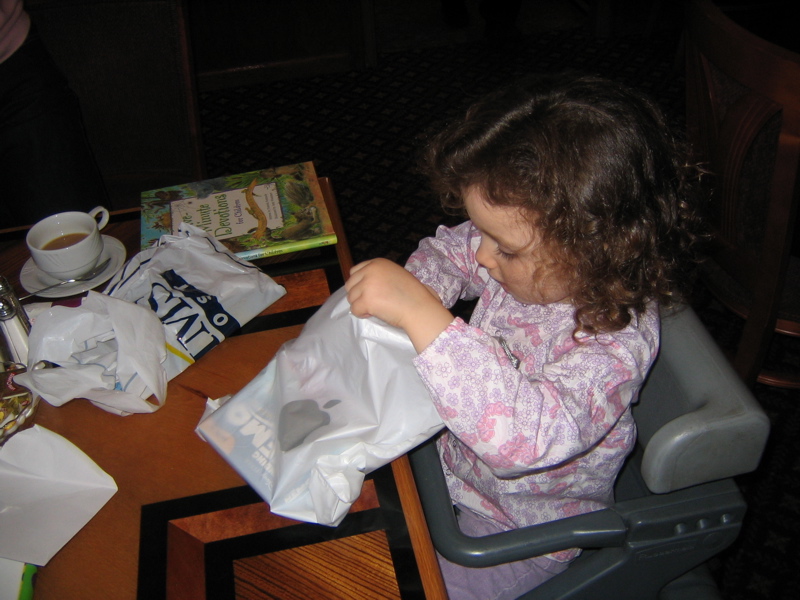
(33, 279)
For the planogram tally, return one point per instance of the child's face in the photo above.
(513, 252)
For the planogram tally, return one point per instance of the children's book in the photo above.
(256, 214)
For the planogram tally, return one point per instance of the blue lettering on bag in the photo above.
(178, 303)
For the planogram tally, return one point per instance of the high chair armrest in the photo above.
(699, 521)
(602, 528)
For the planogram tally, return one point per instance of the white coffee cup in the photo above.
(67, 245)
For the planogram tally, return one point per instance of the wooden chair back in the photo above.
(743, 119)
(129, 63)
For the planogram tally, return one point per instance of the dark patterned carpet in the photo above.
(362, 130)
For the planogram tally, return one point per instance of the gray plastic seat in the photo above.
(676, 502)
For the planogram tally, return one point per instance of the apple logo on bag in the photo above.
(299, 419)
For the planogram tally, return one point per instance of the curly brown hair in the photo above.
(595, 166)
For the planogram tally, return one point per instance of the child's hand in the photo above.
(383, 289)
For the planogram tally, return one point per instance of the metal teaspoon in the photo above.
(86, 277)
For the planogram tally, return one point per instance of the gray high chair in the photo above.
(676, 504)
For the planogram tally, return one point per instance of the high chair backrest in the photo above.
(696, 420)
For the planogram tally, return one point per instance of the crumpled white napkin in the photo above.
(110, 352)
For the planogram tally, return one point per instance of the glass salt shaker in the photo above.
(6, 290)
(14, 325)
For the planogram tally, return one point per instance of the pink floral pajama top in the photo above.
(542, 441)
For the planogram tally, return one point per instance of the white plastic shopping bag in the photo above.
(333, 405)
(200, 290)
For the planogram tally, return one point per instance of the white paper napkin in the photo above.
(49, 489)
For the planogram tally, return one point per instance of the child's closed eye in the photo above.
(505, 255)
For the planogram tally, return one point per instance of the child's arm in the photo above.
(446, 263)
(383, 289)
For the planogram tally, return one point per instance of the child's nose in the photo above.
(485, 257)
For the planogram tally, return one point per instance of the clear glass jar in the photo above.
(17, 403)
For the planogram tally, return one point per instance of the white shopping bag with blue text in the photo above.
(200, 291)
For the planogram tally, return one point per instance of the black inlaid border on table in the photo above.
(220, 556)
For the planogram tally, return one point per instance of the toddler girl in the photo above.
(578, 231)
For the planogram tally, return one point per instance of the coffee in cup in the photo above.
(67, 245)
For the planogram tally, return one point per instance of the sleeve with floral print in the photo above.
(517, 422)
(447, 263)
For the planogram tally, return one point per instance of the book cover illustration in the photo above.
(255, 214)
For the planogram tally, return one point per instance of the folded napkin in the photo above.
(49, 489)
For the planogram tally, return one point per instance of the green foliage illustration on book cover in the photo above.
(255, 214)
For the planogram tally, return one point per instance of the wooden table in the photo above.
(180, 505)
